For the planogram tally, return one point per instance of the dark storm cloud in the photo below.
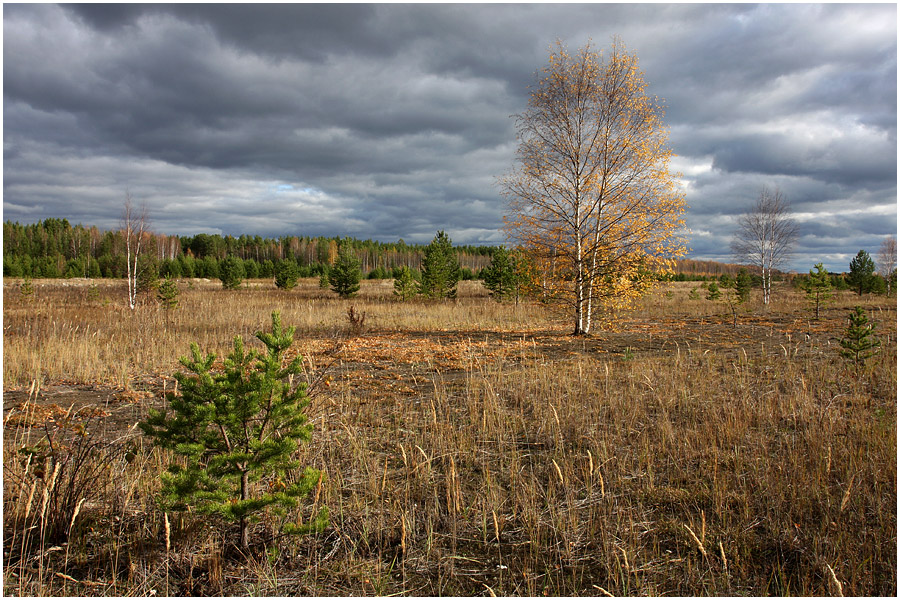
(390, 121)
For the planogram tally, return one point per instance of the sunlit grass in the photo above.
(473, 448)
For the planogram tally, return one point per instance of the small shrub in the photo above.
(357, 320)
(64, 467)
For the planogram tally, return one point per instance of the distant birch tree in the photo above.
(592, 202)
(766, 236)
(887, 262)
(134, 225)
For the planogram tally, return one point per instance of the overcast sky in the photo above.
(394, 121)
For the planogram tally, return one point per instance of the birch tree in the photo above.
(134, 225)
(887, 262)
(766, 236)
(592, 201)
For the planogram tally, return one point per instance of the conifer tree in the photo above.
(167, 294)
(730, 292)
(286, 275)
(147, 273)
(346, 273)
(817, 287)
(858, 343)
(440, 268)
(237, 432)
(405, 285)
(861, 269)
(742, 285)
(231, 272)
(502, 276)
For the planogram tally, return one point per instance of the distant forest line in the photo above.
(55, 248)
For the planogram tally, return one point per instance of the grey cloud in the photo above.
(389, 121)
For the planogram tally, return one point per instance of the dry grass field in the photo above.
(468, 447)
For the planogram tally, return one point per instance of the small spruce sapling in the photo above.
(859, 343)
(237, 432)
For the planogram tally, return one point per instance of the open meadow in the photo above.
(467, 447)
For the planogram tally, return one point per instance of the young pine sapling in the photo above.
(859, 343)
(237, 431)
(817, 287)
(405, 285)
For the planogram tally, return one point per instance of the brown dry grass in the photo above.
(472, 448)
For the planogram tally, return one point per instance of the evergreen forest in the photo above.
(54, 248)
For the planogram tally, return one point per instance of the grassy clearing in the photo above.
(470, 448)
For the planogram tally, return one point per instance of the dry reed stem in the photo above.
(625, 557)
(846, 500)
(558, 472)
(838, 589)
(696, 540)
(168, 532)
(48, 489)
(75, 515)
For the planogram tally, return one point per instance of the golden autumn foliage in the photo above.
(592, 200)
